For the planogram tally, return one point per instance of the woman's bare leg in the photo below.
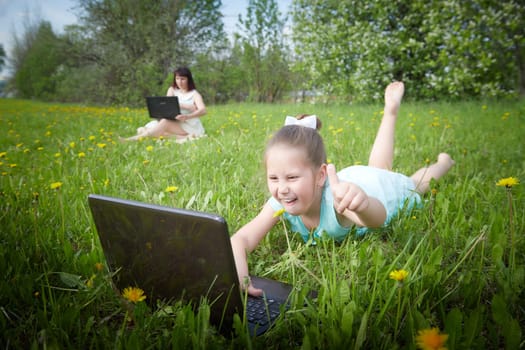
(382, 154)
(435, 171)
(164, 128)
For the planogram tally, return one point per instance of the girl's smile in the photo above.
(293, 181)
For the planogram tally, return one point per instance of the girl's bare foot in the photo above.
(393, 95)
(446, 160)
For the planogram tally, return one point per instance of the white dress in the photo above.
(192, 126)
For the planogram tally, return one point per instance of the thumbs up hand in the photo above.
(347, 196)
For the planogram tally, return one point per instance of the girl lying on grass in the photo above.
(317, 200)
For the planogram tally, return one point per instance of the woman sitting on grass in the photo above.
(319, 202)
(187, 124)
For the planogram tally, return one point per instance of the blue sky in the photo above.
(13, 14)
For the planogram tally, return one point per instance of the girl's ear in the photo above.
(322, 175)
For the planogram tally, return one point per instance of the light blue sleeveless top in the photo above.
(393, 190)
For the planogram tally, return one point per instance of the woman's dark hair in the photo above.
(183, 72)
(301, 137)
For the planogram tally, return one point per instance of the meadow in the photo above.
(451, 272)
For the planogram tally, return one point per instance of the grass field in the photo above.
(463, 251)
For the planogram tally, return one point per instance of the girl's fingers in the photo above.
(254, 292)
(332, 176)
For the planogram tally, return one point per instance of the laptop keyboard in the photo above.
(262, 311)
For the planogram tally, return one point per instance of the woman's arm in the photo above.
(199, 108)
(190, 107)
(246, 240)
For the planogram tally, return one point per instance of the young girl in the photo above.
(187, 124)
(320, 202)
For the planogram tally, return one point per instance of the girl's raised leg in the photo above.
(382, 154)
(435, 171)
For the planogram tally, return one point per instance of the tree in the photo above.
(138, 43)
(262, 51)
(2, 57)
(450, 49)
(36, 75)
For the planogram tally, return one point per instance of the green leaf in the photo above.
(512, 334)
(499, 310)
(70, 280)
(453, 327)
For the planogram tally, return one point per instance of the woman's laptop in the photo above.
(175, 254)
(160, 107)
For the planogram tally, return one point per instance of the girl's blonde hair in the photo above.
(301, 137)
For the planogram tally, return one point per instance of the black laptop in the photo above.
(160, 107)
(175, 254)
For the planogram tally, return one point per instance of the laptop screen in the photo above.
(166, 107)
(170, 253)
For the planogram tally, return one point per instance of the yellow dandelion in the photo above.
(101, 145)
(91, 138)
(508, 182)
(3, 154)
(13, 165)
(72, 144)
(99, 266)
(149, 148)
(145, 162)
(55, 185)
(278, 213)
(398, 275)
(89, 282)
(171, 189)
(431, 339)
(134, 294)
(81, 154)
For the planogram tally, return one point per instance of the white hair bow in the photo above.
(309, 122)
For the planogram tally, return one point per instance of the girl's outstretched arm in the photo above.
(246, 240)
(353, 205)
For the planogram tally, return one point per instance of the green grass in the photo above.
(463, 250)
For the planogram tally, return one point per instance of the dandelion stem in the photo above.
(399, 287)
(289, 247)
(63, 218)
(511, 228)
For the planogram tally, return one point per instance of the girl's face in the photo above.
(182, 82)
(293, 181)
